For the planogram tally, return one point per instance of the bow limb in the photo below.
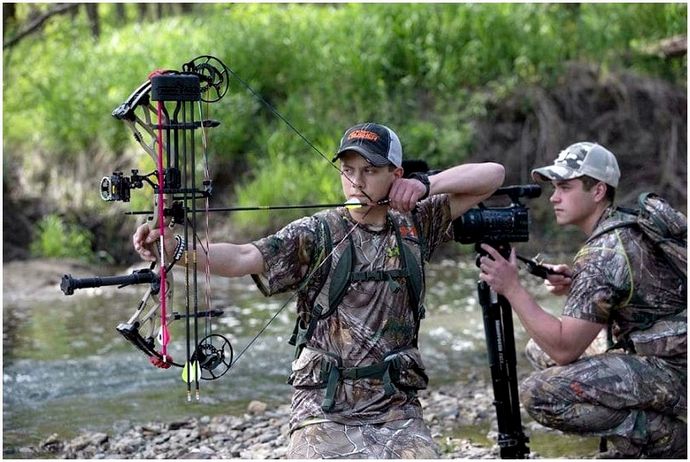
(146, 122)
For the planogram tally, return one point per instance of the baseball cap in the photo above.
(378, 144)
(579, 159)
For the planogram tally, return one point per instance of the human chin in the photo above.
(561, 217)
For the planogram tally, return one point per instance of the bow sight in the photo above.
(118, 187)
(164, 114)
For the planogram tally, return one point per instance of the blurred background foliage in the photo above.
(433, 72)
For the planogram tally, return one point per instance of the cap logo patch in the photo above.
(363, 135)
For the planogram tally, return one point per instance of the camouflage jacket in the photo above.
(373, 319)
(618, 280)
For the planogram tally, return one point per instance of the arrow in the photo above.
(350, 204)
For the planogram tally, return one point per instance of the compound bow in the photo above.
(161, 113)
(166, 131)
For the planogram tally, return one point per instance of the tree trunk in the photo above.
(120, 14)
(94, 20)
(143, 11)
(186, 8)
(9, 14)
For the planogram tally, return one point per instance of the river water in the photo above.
(67, 369)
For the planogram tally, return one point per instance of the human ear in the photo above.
(600, 191)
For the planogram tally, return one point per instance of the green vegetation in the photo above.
(56, 239)
(428, 70)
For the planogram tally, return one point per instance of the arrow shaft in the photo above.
(269, 207)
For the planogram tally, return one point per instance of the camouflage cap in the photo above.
(579, 159)
(378, 144)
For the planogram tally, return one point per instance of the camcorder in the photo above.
(497, 225)
(491, 225)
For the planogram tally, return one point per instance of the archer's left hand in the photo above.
(499, 273)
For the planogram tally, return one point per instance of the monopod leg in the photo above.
(500, 343)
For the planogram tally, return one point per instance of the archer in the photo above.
(358, 272)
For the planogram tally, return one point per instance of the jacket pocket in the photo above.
(407, 369)
(668, 337)
(310, 369)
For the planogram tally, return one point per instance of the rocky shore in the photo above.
(261, 432)
(461, 417)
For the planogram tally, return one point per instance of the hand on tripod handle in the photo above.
(535, 267)
(500, 273)
(557, 278)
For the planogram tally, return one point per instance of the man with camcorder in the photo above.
(634, 394)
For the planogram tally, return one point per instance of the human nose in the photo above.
(555, 197)
(357, 180)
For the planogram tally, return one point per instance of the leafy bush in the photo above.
(427, 70)
(56, 239)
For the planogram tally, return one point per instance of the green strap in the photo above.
(409, 264)
(335, 374)
(340, 277)
(333, 379)
(322, 262)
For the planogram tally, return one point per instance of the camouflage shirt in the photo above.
(619, 280)
(373, 319)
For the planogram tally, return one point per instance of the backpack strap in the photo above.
(344, 273)
(340, 279)
(388, 371)
(301, 332)
(415, 277)
(630, 220)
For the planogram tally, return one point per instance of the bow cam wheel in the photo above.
(214, 77)
(214, 354)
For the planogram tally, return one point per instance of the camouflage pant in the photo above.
(634, 401)
(400, 439)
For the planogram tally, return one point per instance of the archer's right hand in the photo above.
(558, 283)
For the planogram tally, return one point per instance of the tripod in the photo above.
(500, 344)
